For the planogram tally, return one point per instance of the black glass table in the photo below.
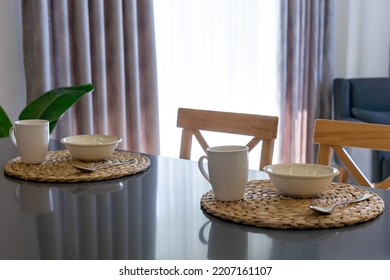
(157, 215)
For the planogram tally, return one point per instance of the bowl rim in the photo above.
(333, 171)
(114, 140)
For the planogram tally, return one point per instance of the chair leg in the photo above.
(186, 143)
(343, 175)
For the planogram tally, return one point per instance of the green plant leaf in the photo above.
(54, 103)
(5, 123)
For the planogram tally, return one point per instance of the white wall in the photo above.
(362, 43)
(12, 81)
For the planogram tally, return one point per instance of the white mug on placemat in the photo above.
(228, 171)
(31, 137)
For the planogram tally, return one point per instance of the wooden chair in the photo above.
(262, 128)
(335, 135)
(363, 100)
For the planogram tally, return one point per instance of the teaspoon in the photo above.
(104, 165)
(329, 209)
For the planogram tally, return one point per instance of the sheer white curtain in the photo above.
(217, 55)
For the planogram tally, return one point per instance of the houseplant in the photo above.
(49, 106)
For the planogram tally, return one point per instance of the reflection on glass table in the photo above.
(157, 215)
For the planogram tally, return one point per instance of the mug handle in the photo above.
(17, 193)
(12, 135)
(202, 238)
(201, 168)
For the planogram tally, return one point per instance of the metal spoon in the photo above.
(103, 165)
(329, 209)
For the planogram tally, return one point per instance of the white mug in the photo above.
(228, 171)
(32, 139)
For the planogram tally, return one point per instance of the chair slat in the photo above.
(335, 135)
(235, 123)
(201, 140)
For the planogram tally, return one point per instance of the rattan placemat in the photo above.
(264, 206)
(58, 168)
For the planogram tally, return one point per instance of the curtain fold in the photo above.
(305, 74)
(108, 43)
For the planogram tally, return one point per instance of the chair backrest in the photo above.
(262, 128)
(335, 135)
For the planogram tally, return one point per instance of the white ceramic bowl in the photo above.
(91, 147)
(301, 180)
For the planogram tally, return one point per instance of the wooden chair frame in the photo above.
(335, 135)
(262, 128)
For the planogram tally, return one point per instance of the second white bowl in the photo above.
(301, 180)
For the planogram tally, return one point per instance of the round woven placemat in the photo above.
(264, 206)
(58, 168)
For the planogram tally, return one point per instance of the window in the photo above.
(214, 55)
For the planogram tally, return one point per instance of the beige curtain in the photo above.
(109, 43)
(305, 74)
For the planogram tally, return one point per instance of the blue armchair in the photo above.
(364, 100)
